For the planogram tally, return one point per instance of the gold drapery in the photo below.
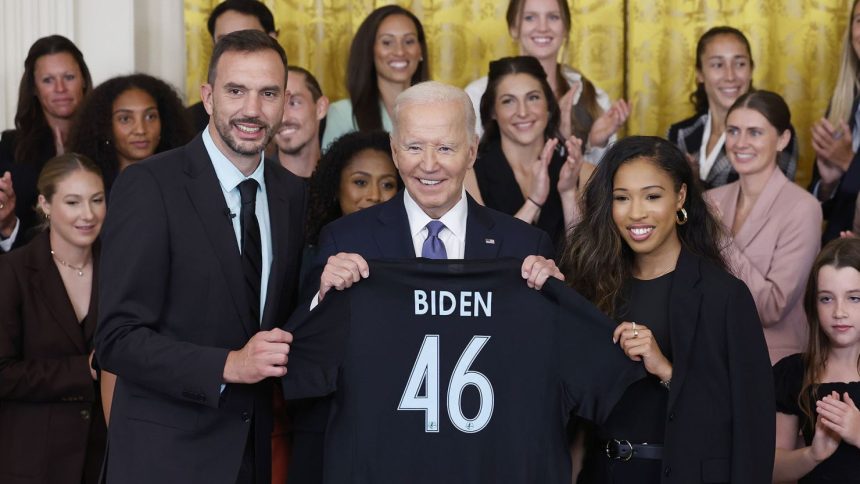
(642, 51)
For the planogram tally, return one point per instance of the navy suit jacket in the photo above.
(173, 304)
(382, 232)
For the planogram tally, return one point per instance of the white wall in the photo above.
(116, 37)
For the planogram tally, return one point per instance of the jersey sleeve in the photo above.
(594, 371)
(320, 338)
(787, 380)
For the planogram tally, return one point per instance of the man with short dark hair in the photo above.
(199, 267)
(227, 17)
(298, 138)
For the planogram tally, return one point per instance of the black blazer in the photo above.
(719, 425)
(173, 305)
(382, 232)
(500, 190)
(52, 428)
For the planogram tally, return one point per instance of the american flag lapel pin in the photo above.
(490, 241)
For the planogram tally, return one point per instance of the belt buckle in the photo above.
(619, 453)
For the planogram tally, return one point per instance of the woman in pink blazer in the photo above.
(774, 225)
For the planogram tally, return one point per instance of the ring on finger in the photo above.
(635, 331)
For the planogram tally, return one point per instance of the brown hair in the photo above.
(499, 70)
(699, 97)
(838, 253)
(769, 104)
(596, 258)
(244, 41)
(30, 120)
(586, 110)
(58, 169)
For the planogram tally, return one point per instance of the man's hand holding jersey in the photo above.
(342, 270)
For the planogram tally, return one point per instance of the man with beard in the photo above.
(199, 266)
(298, 138)
(227, 17)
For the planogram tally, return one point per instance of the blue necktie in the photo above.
(433, 247)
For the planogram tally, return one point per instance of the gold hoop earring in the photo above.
(679, 214)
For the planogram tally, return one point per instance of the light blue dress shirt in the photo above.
(229, 177)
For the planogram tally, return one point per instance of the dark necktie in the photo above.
(252, 251)
(433, 247)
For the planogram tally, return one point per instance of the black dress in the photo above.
(500, 190)
(844, 465)
(640, 415)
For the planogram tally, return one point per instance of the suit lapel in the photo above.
(89, 323)
(204, 192)
(279, 213)
(392, 235)
(482, 241)
(47, 283)
(758, 216)
(685, 299)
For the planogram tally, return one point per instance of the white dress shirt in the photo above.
(454, 233)
(706, 160)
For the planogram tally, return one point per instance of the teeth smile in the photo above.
(639, 231)
(398, 64)
(429, 182)
(247, 129)
(542, 40)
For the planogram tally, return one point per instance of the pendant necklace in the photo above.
(79, 270)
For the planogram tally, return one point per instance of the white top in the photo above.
(476, 90)
(340, 120)
(706, 160)
(454, 233)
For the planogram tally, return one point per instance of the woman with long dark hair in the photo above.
(127, 119)
(388, 54)
(55, 82)
(647, 252)
(523, 167)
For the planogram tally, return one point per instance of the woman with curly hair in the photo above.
(388, 54)
(54, 84)
(356, 172)
(127, 119)
(647, 252)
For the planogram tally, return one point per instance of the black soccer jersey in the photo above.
(454, 371)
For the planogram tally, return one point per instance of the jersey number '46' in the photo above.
(426, 371)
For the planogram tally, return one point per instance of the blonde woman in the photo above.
(835, 139)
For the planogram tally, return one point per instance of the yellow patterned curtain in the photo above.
(640, 50)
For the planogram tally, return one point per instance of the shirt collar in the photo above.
(454, 219)
(228, 175)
